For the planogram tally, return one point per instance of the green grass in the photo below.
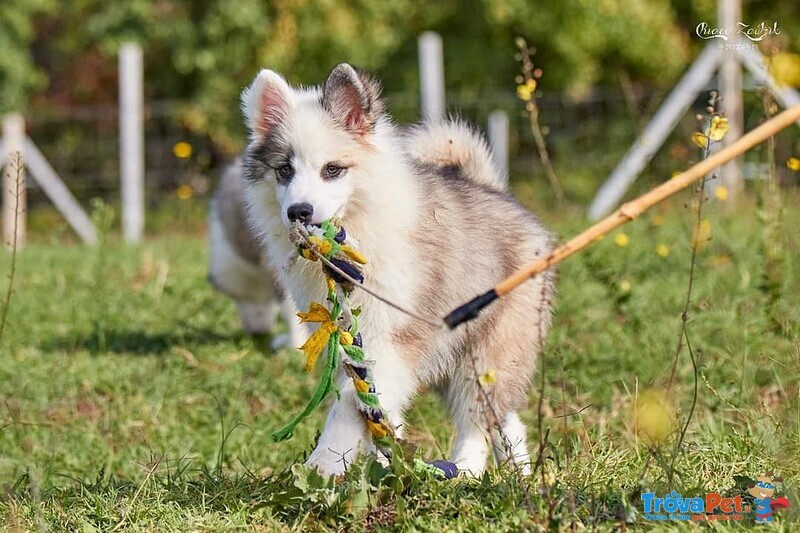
(131, 398)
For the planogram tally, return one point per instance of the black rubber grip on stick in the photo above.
(469, 310)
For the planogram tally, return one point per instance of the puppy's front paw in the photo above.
(470, 454)
(329, 463)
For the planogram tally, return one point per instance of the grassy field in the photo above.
(131, 400)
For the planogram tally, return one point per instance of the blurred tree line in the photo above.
(55, 54)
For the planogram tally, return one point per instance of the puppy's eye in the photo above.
(332, 171)
(285, 172)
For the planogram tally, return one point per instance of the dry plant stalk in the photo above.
(526, 90)
(683, 336)
(770, 214)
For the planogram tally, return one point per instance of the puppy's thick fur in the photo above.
(432, 215)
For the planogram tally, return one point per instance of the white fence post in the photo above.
(431, 75)
(14, 193)
(729, 13)
(131, 147)
(498, 138)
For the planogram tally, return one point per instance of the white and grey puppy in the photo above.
(238, 266)
(432, 215)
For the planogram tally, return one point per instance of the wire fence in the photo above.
(589, 135)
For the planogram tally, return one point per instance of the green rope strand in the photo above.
(324, 387)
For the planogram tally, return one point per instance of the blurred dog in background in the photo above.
(239, 268)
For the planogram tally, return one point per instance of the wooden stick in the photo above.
(624, 214)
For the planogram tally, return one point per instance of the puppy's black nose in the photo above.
(301, 212)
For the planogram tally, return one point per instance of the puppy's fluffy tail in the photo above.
(453, 146)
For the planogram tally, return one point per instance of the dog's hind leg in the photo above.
(471, 449)
(476, 426)
(247, 283)
(511, 444)
(488, 383)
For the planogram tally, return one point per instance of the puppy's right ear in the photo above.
(353, 98)
(266, 102)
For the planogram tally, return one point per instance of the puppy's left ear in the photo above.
(353, 98)
(266, 103)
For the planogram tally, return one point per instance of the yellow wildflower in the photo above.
(525, 91)
(721, 193)
(625, 285)
(719, 127)
(700, 140)
(184, 192)
(662, 250)
(621, 240)
(182, 150)
(488, 378)
(793, 163)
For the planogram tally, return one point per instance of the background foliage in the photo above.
(64, 53)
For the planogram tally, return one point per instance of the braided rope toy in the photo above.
(339, 337)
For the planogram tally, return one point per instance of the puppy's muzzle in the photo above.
(300, 212)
